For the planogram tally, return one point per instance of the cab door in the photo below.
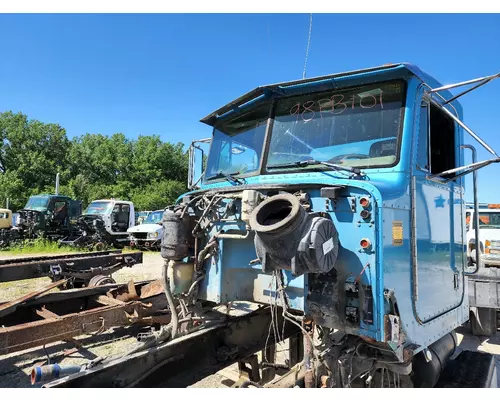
(438, 223)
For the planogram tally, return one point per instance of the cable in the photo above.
(170, 300)
(308, 44)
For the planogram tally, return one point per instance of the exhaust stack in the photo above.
(57, 183)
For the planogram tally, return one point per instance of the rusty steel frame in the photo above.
(109, 311)
(80, 265)
(187, 359)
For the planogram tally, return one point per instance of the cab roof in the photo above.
(115, 200)
(325, 82)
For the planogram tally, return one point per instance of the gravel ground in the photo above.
(16, 367)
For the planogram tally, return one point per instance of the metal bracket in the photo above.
(55, 270)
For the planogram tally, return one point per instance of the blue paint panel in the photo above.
(438, 243)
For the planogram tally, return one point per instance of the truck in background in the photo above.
(484, 285)
(104, 223)
(148, 234)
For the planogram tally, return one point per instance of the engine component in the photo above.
(177, 239)
(249, 200)
(180, 276)
(287, 237)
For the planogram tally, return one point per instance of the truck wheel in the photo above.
(100, 280)
(483, 321)
(99, 246)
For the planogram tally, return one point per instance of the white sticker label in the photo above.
(328, 246)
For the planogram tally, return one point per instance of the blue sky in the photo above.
(160, 74)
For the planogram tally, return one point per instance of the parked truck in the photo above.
(484, 285)
(148, 233)
(103, 223)
(318, 202)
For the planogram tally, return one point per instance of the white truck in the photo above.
(484, 284)
(489, 234)
(104, 222)
(149, 233)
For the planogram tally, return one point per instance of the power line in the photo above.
(308, 44)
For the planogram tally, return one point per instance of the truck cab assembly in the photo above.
(319, 202)
(104, 223)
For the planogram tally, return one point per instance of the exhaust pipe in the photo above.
(52, 371)
(57, 183)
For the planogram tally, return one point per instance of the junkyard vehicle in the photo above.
(141, 216)
(316, 203)
(484, 285)
(6, 221)
(49, 216)
(5, 218)
(104, 223)
(149, 233)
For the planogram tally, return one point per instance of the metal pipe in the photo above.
(466, 168)
(466, 128)
(454, 85)
(52, 371)
(233, 235)
(308, 354)
(173, 310)
(57, 183)
(484, 82)
(475, 222)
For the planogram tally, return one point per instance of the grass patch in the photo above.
(39, 246)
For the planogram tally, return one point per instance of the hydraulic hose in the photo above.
(170, 299)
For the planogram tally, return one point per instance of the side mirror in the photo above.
(197, 153)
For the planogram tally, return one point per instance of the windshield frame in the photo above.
(108, 211)
(40, 208)
(263, 170)
(483, 212)
(145, 221)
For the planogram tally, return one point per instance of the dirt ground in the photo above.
(15, 368)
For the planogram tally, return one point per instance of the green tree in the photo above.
(31, 153)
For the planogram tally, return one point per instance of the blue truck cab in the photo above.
(324, 196)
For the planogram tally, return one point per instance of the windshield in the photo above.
(38, 203)
(353, 127)
(154, 218)
(358, 127)
(99, 208)
(489, 220)
(237, 143)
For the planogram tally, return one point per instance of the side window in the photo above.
(442, 141)
(423, 138)
(60, 210)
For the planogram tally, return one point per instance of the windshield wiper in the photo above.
(228, 177)
(306, 163)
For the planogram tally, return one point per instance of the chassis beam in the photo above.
(80, 265)
(185, 360)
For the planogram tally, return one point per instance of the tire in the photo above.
(483, 321)
(100, 280)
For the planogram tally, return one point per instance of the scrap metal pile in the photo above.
(41, 318)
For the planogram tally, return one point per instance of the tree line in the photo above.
(146, 170)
